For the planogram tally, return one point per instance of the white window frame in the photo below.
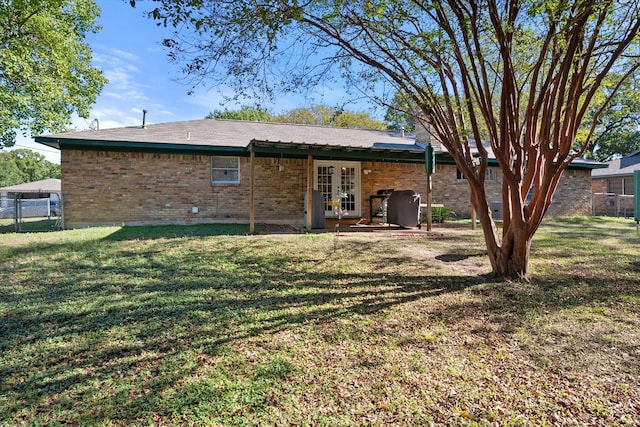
(338, 164)
(235, 169)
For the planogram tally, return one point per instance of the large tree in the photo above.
(523, 72)
(617, 132)
(45, 65)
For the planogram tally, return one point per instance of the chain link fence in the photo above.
(37, 214)
(613, 204)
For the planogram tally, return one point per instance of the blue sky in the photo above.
(128, 50)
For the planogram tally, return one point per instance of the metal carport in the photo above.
(45, 188)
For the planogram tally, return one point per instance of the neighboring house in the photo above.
(206, 171)
(613, 190)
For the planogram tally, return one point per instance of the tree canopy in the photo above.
(246, 112)
(23, 165)
(507, 79)
(45, 65)
(319, 115)
(617, 132)
(402, 113)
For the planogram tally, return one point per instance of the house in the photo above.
(207, 171)
(613, 188)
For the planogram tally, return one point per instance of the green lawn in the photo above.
(206, 325)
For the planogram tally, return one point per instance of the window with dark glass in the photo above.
(225, 170)
(490, 175)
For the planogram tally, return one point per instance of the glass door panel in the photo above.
(324, 184)
(336, 178)
(348, 187)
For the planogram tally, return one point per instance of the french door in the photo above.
(338, 181)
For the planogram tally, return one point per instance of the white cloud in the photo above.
(113, 117)
(121, 54)
(113, 57)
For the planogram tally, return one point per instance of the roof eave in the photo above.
(579, 165)
(154, 147)
(327, 151)
(265, 148)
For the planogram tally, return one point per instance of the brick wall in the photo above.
(455, 193)
(573, 195)
(279, 194)
(103, 188)
(446, 189)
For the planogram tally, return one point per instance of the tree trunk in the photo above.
(509, 253)
(512, 258)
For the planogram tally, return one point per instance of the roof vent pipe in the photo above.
(144, 118)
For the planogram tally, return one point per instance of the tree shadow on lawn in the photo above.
(96, 320)
(459, 256)
(576, 323)
(578, 228)
(197, 230)
(135, 324)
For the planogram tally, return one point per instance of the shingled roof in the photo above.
(624, 166)
(231, 133)
(234, 137)
(211, 136)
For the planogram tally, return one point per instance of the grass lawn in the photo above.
(205, 325)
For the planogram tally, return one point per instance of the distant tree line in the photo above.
(319, 115)
(22, 165)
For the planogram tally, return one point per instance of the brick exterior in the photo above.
(573, 195)
(102, 188)
(603, 203)
(606, 202)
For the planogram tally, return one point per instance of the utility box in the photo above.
(429, 159)
(317, 210)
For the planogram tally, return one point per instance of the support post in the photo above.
(636, 199)
(429, 202)
(252, 210)
(430, 167)
(309, 191)
(17, 206)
